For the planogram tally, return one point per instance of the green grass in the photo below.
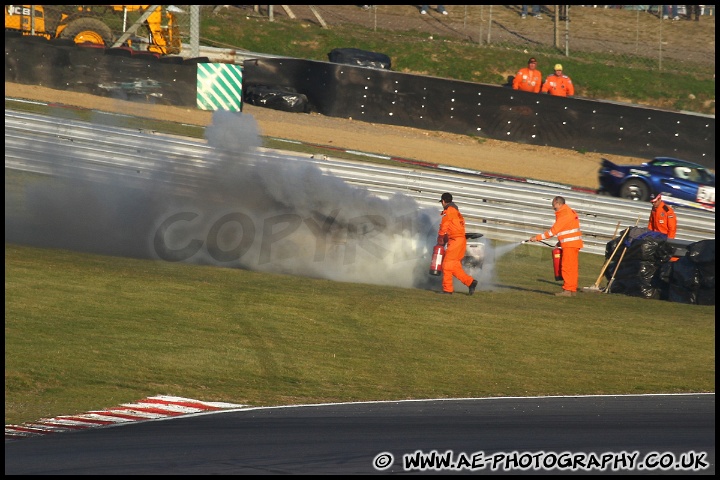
(85, 332)
(597, 75)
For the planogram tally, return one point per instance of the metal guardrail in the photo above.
(502, 210)
(224, 55)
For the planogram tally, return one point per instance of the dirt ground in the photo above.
(491, 156)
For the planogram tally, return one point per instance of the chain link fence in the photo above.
(633, 35)
(628, 35)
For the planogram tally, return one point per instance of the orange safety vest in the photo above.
(558, 85)
(663, 219)
(566, 228)
(528, 80)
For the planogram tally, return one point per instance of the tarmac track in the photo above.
(365, 438)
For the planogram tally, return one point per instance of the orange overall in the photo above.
(558, 85)
(452, 230)
(662, 219)
(567, 230)
(528, 80)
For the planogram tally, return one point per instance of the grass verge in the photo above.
(86, 332)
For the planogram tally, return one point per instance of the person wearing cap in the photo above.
(452, 233)
(567, 230)
(662, 217)
(558, 84)
(528, 79)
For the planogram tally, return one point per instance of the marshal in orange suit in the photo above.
(567, 230)
(452, 232)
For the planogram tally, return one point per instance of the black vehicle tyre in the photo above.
(89, 30)
(635, 189)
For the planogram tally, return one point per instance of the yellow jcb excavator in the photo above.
(89, 23)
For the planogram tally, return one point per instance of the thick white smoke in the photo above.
(233, 208)
(308, 222)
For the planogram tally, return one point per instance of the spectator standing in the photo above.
(666, 9)
(452, 233)
(535, 11)
(558, 84)
(662, 217)
(567, 230)
(440, 9)
(528, 79)
(691, 10)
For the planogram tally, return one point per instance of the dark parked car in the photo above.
(680, 182)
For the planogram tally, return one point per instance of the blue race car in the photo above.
(680, 182)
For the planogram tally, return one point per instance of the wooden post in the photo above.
(557, 27)
(288, 11)
(317, 15)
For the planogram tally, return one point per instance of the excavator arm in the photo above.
(164, 33)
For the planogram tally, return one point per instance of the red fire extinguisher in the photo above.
(557, 262)
(437, 258)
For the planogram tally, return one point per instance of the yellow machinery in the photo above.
(91, 23)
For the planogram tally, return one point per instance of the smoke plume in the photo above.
(233, 207)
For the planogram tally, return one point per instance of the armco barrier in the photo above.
(505, 211)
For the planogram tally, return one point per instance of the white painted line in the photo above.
(160, 406)
(199, 402)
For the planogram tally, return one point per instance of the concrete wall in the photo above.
(491, 111)
(116, 73)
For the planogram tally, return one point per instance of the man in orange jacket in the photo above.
(452, 232)
(528, 79)
(558, 84)
(662, 217)
(567, 230)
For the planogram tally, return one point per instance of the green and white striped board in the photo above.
(219, 87)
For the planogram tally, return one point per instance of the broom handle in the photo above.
(615, 232)
(607, 263)
(612, 279)
(607, 289)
